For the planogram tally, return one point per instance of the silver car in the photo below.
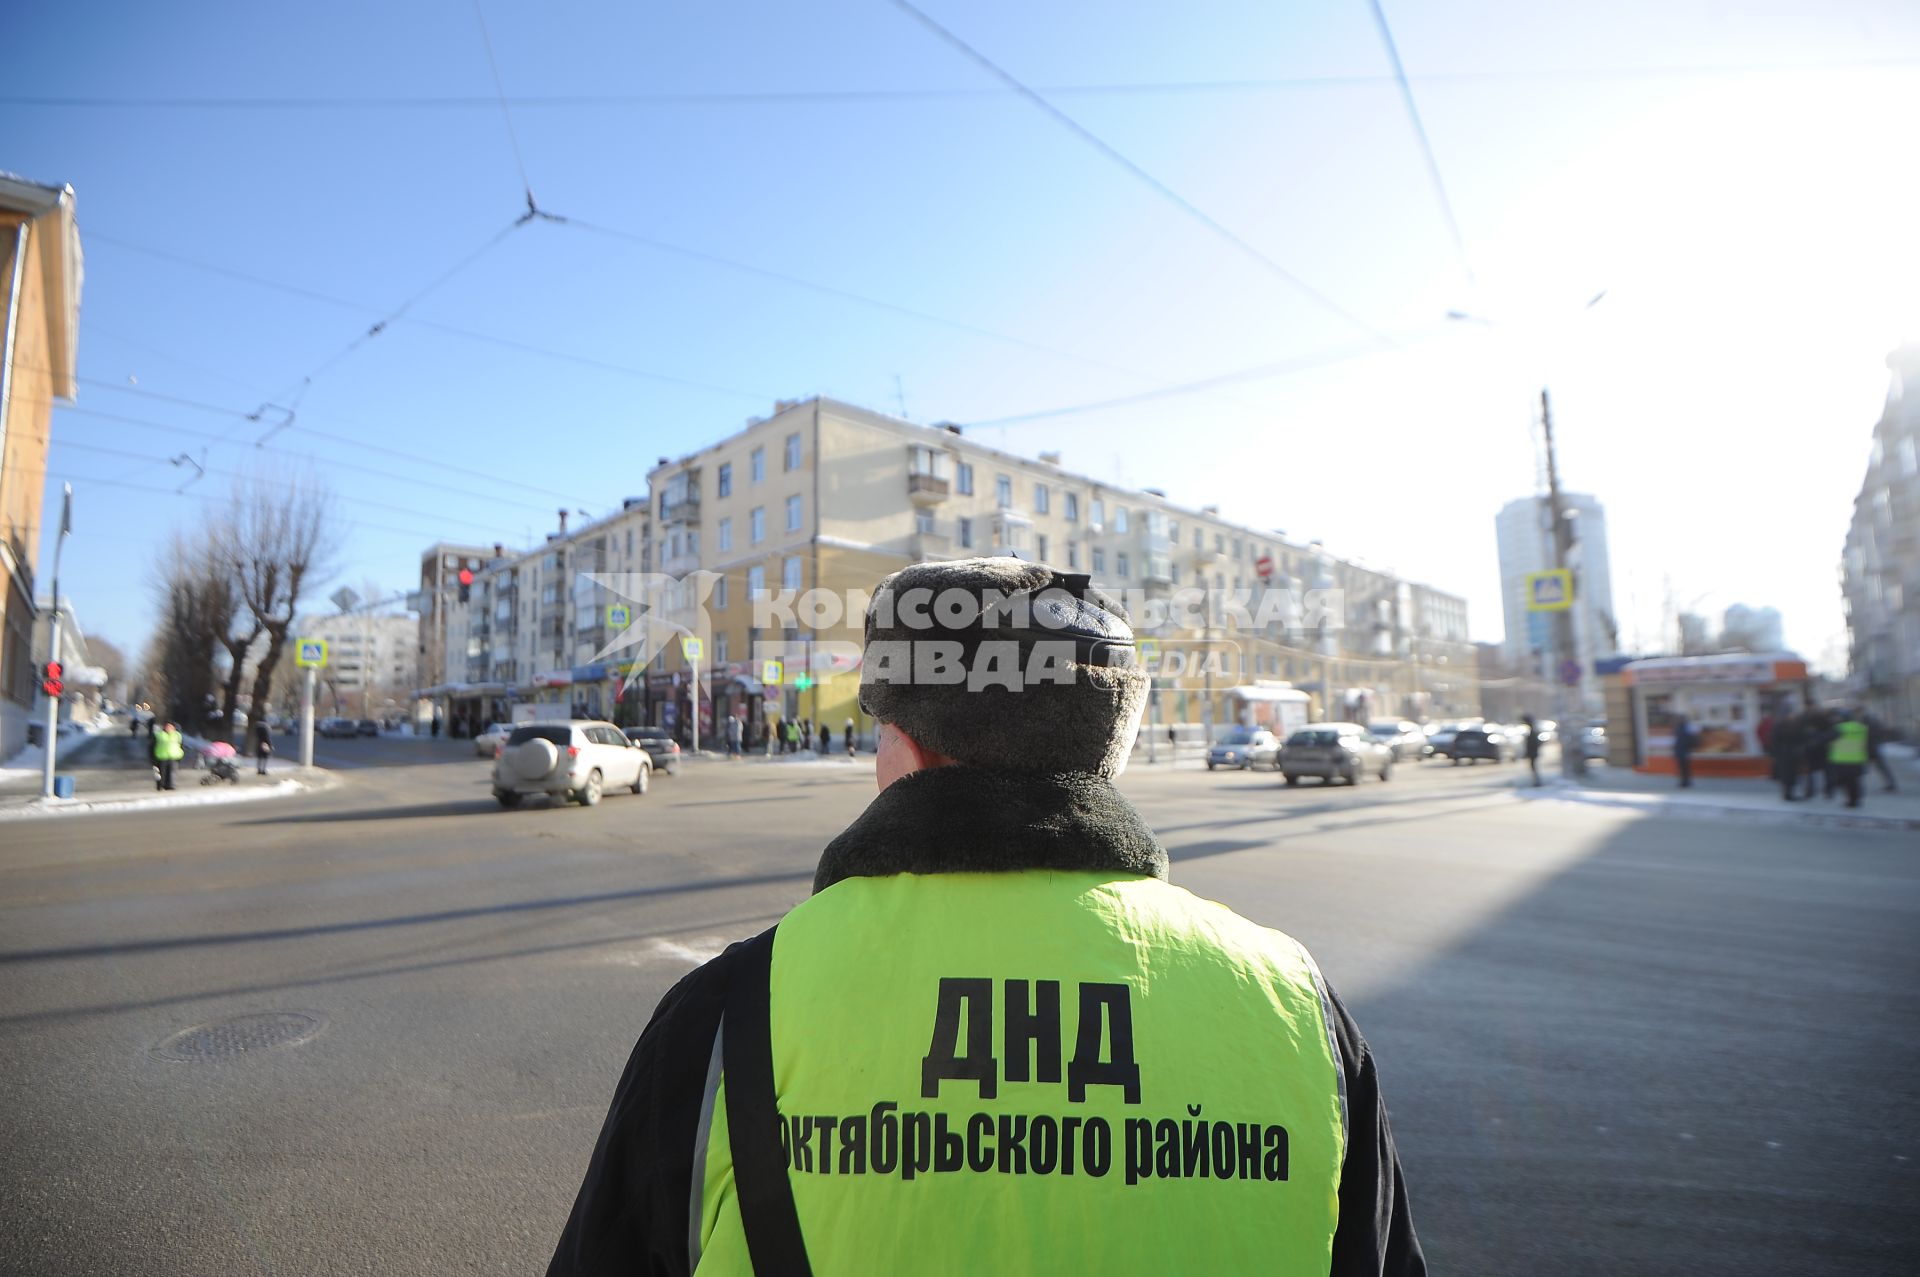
(1243, 748)
(577, 760)
(1335, 751)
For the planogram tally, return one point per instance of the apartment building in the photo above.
(1880, 567)
(828, 496)
(373, 663)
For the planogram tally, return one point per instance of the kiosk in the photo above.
(1726, 697)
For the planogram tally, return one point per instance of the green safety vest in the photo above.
(1040, 1072)
(1849, 743)
(166, 746)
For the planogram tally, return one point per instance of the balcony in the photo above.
(927, 489)
(929, 547)
(682, 507)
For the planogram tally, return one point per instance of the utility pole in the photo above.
(53, 651)
(1572, 761)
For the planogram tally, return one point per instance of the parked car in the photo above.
(367, 727)
(1334, 751)
(1242, 748)
(661, 747)
(488, 743)
(1440, 736)
(1593, 744)
(579, 760)
(1490, 741)
(1404, 738)
(337, 727)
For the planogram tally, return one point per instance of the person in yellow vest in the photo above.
(1847, 757)
(996, 1039)
(167, 750)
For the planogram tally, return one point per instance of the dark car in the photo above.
(661, 747)
(1476, 743)
(367, 727)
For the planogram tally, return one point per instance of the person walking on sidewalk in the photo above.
(1847, 757)
(1684, 739)
(733, 737)
(849, 738)
(1787, 746)
(826, 739)
(1815, 737)
(262, 745)
(1532, 747)
(167, 750)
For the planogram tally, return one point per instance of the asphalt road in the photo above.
(1611, 1043)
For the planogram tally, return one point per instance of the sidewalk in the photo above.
(112, 772)
(1713, 796)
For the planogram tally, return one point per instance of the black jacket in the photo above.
(632, 1212)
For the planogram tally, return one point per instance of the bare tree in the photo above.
(282, 535)
(197, 605)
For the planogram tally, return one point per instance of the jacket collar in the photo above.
(977, 820)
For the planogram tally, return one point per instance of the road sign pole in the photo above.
(306, 718)
(694, 664)
(1572, 761)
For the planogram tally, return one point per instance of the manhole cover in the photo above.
(241, 1035)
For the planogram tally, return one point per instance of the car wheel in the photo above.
(590, 792)
(506, 798)
(1292, 779)
(1386, 773)
(1209, 764)
(1455, 762)
(640, 781)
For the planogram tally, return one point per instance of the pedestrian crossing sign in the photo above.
(692, 648)
(1550, 591)
(619, 616)
(310, 654)
(1149, 651)
(771, 672)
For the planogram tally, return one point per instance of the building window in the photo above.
(723, 485)
(1073, 507)
(1173, 531)
(923, 522)
(793, 513)
(1097, 513)
(1040, 502)
(1236, 547)
(1219, 543)
(1040, 547)
(757, 464)
(1119, 518)
(1003, 492)
(1073, 556)
(790, 573)
(756, 582)
(966, 534)
(1120, 564)
(793, 451)
(720, 649)
(963, 478)
(757, 524)
(726, 534)
(1099, 560)
(1173, 573)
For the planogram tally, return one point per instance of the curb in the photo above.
(48, 809)
(1723, 811)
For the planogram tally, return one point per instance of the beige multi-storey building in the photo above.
(825, 496)
(1880, 567)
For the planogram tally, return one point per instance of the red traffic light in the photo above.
(51, 684)
(466, 576)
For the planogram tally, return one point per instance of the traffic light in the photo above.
(51, 684)
(466, 584)
(803, 682)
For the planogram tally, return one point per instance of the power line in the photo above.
(1420, 133)
(500, 92)
(830, 97)
(70, 477)
(1152, 183)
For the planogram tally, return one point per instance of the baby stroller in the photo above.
(217, 758)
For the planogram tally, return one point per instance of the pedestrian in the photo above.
(1117, 1029)
(1847, 756)
(133, 722)
(765, 737)
(1531, 745)
(1814, 741)
(847, 735)
(262, 745)
(1788, 749)
(1877, 735)
(806, 733)
(1173, 740)
(1684, 740)
(167, 750)
(733, 737)
(436, 723)
(826, 739)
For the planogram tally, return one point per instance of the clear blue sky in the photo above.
(1736, 176)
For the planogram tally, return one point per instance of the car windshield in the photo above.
(1384, 729)
(1314, 736)
(558, 735)
(1236, 736)
(646, 733)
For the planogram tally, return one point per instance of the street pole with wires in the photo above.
(53, 648)
(1565, 648)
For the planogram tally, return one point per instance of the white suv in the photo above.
(577, 760)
